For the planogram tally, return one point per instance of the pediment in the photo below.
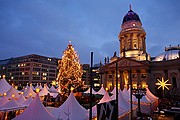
(127, 62)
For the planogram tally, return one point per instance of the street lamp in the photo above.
(139, 92)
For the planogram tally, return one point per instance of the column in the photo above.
(138, 77)
(121, 80)
(113, 79)
(106, 80)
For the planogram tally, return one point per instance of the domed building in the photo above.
(169, 54)
(135, 66)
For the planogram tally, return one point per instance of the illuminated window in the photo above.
(49, 59)
(44, 74)
(96, 84)
(95, 79)
(43, 78)
(134, 86)
(22, 73)
(143, 76)
(12, 77)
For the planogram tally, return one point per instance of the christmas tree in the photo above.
(70, 71)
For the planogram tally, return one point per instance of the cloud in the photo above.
(45, 27)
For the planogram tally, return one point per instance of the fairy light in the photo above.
(70, 70)
(37, 90)
(13, 95)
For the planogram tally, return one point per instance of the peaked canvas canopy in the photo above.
(3, 101)
(12, 91)
(71, 110)
(150, 95)
(4, 86)
(88, 91)
(35, 111)
(102, 91)
(106, 98)
(28, 101)
(32, 86)
(52, 89)
(45, 85)
(44, 91)
(29, 92)
(114, 91)
(10, 105)
(21, 99)
(40, 86)
(37, 86)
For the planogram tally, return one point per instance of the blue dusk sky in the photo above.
(44, 27)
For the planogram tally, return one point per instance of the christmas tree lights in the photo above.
(70, 70)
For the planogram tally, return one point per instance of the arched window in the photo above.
(174, 83)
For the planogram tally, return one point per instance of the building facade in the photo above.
(39, 69)
(96, 76)
(134, 64)
(29, 69)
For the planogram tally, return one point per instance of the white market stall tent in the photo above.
(27, 102)
(3, 101)
(35, 111)
(44, 91)
(148, 102)
(53, 89)
(11, 105)
(21, 99)
(29, 92)
(14, 92)
(105, 98)
(102, 91)
(71, 110)
(4, 86)
(88, 91)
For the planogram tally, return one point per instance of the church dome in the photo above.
(169, 54)
(131, 15)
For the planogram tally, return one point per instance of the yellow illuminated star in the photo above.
(163, 84)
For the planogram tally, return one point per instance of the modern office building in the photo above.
(39, 69)
(29, 69)
(135, 61)
(96, 77)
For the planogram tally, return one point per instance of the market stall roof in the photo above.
(88, 91)
(35, 111)
(3, 101)
(102, 91)
(4, 86)
(71, 110)
(29, 92)
(12, 91)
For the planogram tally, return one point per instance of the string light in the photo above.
(70, 70)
